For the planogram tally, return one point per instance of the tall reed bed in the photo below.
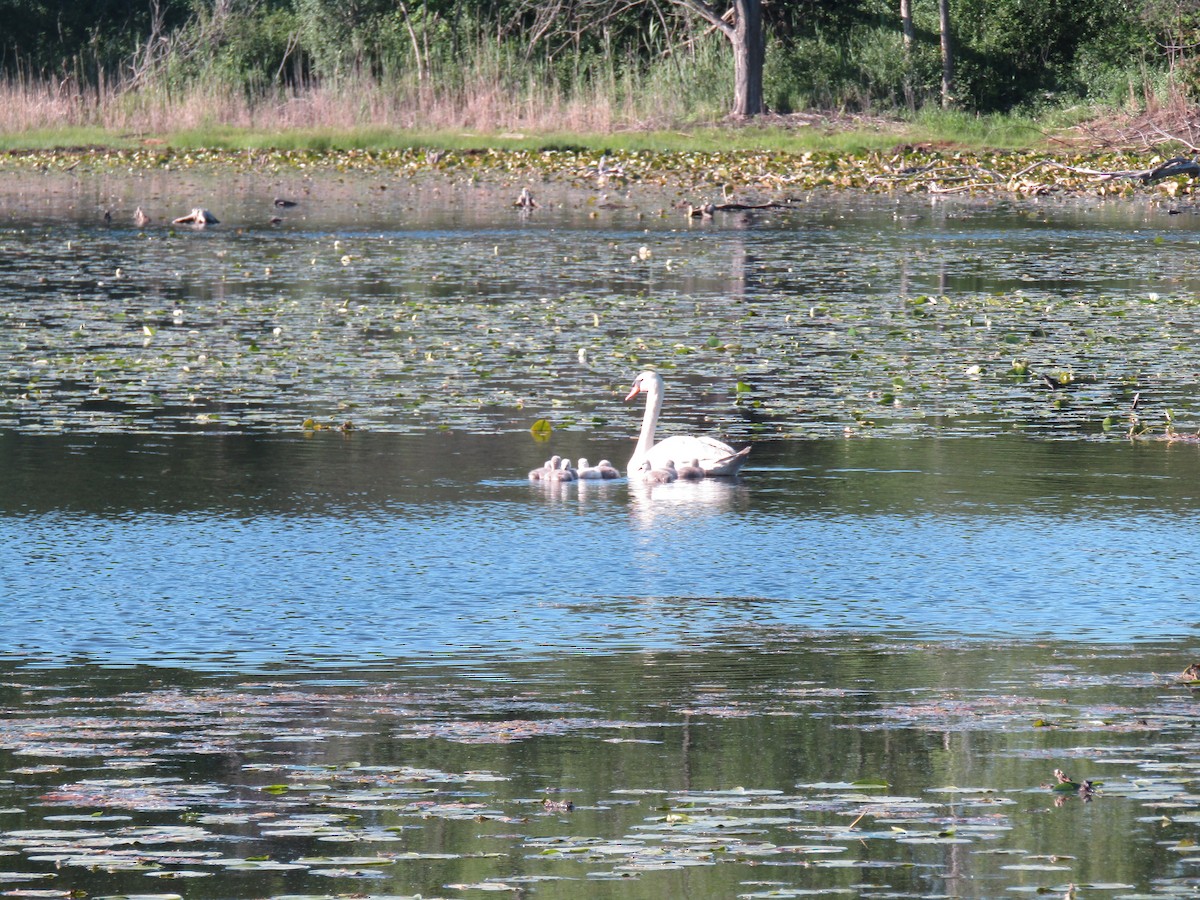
(495, 90)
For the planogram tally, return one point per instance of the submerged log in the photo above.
(1180, 165)
(706, 210)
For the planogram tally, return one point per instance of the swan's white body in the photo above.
(713, 456)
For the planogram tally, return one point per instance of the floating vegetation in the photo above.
(903, 170)
(879, 317)
(258, 804)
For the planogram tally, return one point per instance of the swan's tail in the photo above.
(728, 465)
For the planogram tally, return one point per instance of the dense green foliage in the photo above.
(821, 54)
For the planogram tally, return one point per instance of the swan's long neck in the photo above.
(654, 402)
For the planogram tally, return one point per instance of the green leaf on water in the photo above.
(541, 430)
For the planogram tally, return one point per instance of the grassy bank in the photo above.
(970, 152)
(795, 134)
(659, 110)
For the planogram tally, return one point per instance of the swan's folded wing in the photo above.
(728, 465)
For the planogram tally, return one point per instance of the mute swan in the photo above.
(564, 472)
(545, 472)
(587, 472)
(663, 474)
(690, 471)
(607, 469)
(713, 456)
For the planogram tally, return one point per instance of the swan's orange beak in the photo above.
(637, 389)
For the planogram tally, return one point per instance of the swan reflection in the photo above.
(653, 505)
(560, 482)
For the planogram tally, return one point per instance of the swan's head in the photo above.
(648, 382)
(583, 463)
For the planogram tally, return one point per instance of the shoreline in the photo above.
(904, 170)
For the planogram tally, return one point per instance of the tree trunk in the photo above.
(906, 27)
(947, 54)
(749, 51)
(745, 35)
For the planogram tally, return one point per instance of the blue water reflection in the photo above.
(315, 553)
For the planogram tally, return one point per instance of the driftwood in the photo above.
(960, 178)
(197, 216)
(1180, 165)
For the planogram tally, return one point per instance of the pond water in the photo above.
(243, 656)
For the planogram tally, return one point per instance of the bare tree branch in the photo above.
(416, 45)
(958, 178)
(720, 21)
(292, 44)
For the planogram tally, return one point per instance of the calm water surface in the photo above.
(211, 551)
(242, 659)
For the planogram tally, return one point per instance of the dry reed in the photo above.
(483, 103)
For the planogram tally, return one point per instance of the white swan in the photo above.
(713, 456)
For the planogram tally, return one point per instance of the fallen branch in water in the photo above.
(1179, 165)
(957, 178)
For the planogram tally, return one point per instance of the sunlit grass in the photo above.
(66, 138)
(955, 127)
(774, 137)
